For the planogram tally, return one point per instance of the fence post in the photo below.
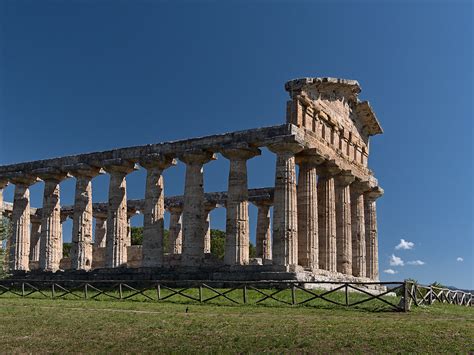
(346, 290)
(53, 293)
(158, 291)
(293, 294)
(120, 291)
(245, 293)
(22, 289)
(85, 291)
(200, 293)
(406, 303)
(431, 295)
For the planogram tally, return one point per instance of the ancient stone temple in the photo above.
(323, 224)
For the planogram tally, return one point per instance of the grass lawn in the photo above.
(58, 326)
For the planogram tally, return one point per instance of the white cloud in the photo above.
(416, 262)
(405, 245)
(396, 261)
(390, 271)
(459, 259)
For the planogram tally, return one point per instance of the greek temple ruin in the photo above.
(319, 220)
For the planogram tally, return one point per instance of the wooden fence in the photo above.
(391, 296)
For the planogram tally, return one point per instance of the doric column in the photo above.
(81, 249)
(154, 209)
(343, 222)
(263, 233)
(193, 207)
(358, 228)
(208, 207)
(175, 230)
(308, 211)
(285, 217)
(237, 209)
(35, 239)
(327, 218)
(117, 218)
(19, 246)
(51, 240)
(371, 239)
(100, 231)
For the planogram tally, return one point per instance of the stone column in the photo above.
(308, 211)
(371, 240)
(154, 210)
(343, 222)
(3, 184)
(193, 207)
(285, 218)
(263, 233)
(327, 218)
(358, 229)
(117, 218)
(51, 240)
(237, 215)
(35, 240)
(19, 246)
(208, 207)
(100, 231)
(81, 249)
(175, 230)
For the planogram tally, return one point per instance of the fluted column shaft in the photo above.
(81, 249)
(193, 209)
(117, 221)
(100, 232)
(51, 240)
(175, 230)
(237, 210)
(154, 211)
(372, 251)
(285, 217)
(307, 214)
(343, 223)
(19, 248)
(35, 240)
(263, 233)
(207, 237)
(327, 220)
(358, 232)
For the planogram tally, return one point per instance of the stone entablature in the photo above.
(330, 108)
(324, 219)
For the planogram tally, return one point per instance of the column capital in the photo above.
(20, 178)
(374, 193)
(285, 147)
(311, 156)
(209, 206)
(328, 169)
(119, 165)
(81, 169)
(160, 161)
(51, 174)
(360, 186)
(240, 153)
(100, 215)
(262, 203)
(175, 209)
(344, 178)
(197, 157)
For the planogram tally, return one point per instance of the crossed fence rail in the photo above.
(390, 296)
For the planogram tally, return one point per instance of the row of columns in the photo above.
(324, 220)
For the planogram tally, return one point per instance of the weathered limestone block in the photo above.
(327, 218)
(263, 233)
(358, 229)
(175, 230)
(372, 249)
(154, 209)
(51, 240)
(237, 217)
(193, 208)
(343, 222)
(285, 217)
(35, 240)
(308, 247)
(100, 231)
(117, 219)
(81, 249)
(19, 247)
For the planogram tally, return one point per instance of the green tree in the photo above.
(218, 243)
(67, 250)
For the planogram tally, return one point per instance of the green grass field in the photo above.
(58, 326)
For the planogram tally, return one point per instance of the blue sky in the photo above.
(80, 76)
